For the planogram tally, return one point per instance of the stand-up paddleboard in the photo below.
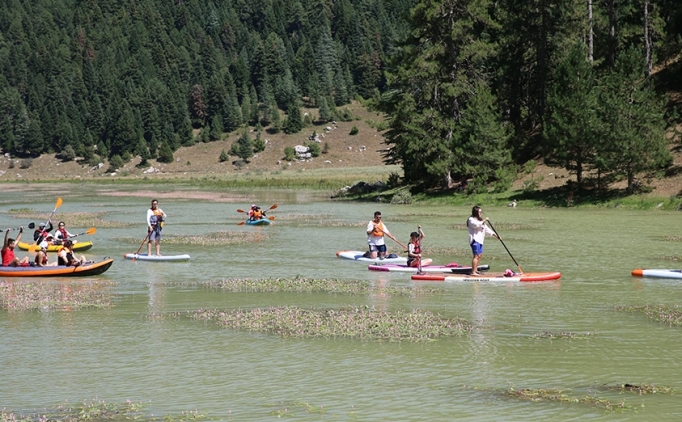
(156, 258)
(360, 256)
(494, 277)
(446, 269)
(657, 273)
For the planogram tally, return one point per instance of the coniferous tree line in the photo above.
(469, 86)
(136, 77)
(479, 85)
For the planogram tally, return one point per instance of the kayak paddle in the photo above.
(419, 230)
(91, 230)
(30, 226)
(34, 247)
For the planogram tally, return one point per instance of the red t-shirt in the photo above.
(7, 256)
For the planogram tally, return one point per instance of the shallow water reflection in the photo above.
(130, 350)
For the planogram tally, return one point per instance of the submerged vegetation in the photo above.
(667, 314)
(309, 285)
(359, 322)
(96, 410)
(73, 219)
(210, 239)
(564, 335)
(562, 396)
(18, 295)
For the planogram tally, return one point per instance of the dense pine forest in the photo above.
(470, 88)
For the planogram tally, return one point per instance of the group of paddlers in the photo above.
(42, 240)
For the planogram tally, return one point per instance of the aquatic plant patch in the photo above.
(563, 396)
(640, 388)
(291, 409)
(320, 220)
(44, 295)
(667, 314)
(72, 219)
(567, 335)
(97, 410)
(310, 285)
(210, 239)
(354, 322)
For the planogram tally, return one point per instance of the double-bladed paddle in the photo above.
(35, 246)
(91, 230)
(30, 226)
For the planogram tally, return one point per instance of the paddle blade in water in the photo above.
(241, 223)
(91, 231)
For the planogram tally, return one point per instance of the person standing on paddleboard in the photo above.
(477, 232)
(375, 237)
(155, 217)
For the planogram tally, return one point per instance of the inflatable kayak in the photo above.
(91, 268)
(496, 277)
(451, 269)
(77, 246)
(657, 273)
(261, 222)
(360, 256)
(156, 258)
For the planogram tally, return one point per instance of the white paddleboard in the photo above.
(359, 256)
(156, 258)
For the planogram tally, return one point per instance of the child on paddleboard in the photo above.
(414, 248)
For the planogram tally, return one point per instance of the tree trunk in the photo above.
(591, 34)
(612, 33)
(647, 38)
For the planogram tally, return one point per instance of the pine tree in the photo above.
(294, 121)
(634, 137)
(572, 128)
(165, 153)
(245, 147)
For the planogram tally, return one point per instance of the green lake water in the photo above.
(132, 351)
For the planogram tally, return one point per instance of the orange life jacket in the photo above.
(378, 230)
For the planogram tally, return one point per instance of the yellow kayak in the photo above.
(77, 246)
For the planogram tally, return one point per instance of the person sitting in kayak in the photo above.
(258, 214)
(414, 249)
(41, 256)
(66, 257)
(42, 231)
(62, 234)
(7, 252)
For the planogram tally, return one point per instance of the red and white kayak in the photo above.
(445, 269)
(495, 277)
